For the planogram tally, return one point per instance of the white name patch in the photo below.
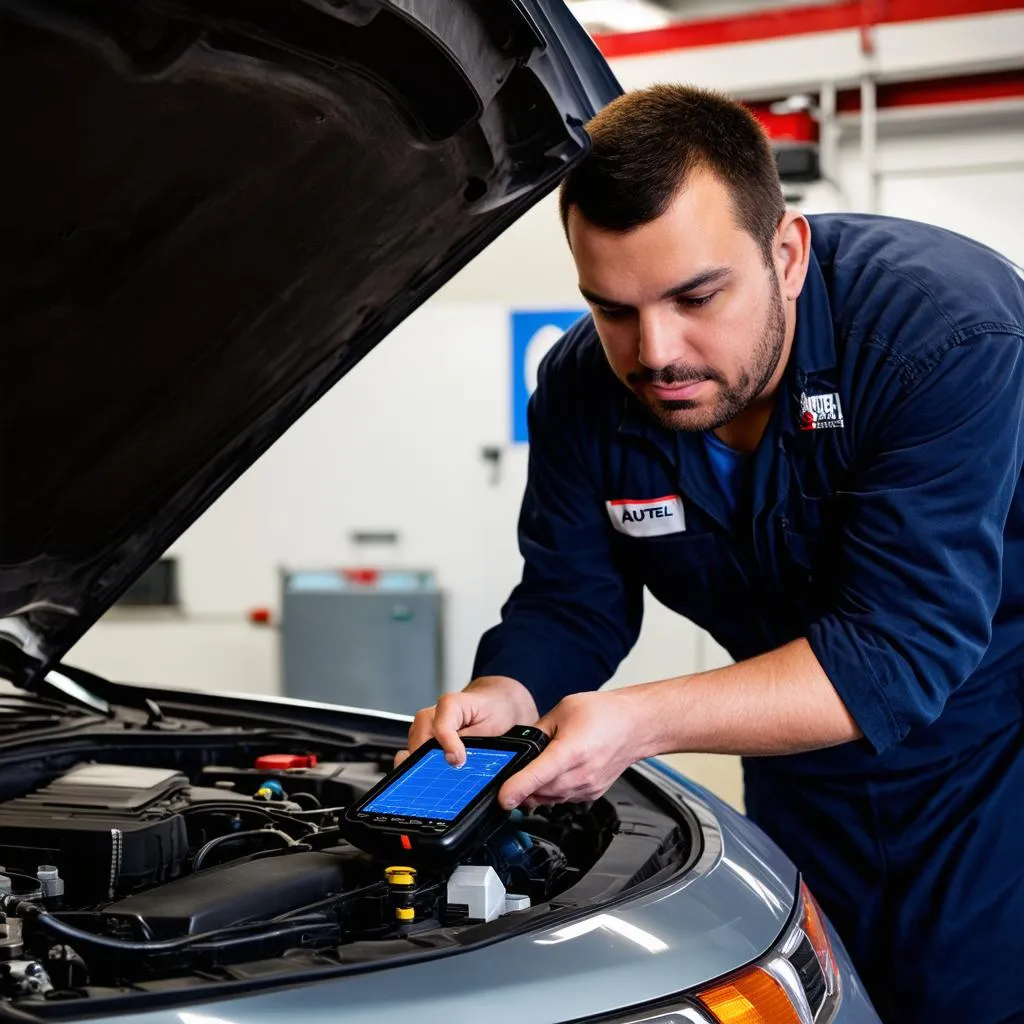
(648, 517)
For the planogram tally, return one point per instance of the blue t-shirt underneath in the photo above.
(731, 469)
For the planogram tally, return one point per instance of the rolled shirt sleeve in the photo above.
(921, 557)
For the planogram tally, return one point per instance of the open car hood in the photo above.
(213, 210)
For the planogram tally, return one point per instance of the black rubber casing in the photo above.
(400, 839)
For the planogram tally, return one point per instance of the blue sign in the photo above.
(533, 335)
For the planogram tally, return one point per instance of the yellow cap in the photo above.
(400, 876)
(405, 913)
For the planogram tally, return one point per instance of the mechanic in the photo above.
(805, 435)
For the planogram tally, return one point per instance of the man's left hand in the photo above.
(595, 737)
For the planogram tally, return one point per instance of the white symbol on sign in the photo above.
(537, 348)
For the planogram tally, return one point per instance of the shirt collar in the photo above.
(814, 343)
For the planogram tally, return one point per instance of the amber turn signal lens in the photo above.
(753, 997)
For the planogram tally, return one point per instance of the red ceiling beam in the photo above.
(995, 85)
(800, 126)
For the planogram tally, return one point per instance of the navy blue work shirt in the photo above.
(885, 521)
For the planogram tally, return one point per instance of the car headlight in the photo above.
(797, 982)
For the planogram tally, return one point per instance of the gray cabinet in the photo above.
(366, 639)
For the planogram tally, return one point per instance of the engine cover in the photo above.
(231, 893)
(111, 829)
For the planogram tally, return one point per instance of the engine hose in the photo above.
(203, 851)
(325, 838)
(281, 932)
(54, 926)
(269, 813)
(290, 928)
(313, 811)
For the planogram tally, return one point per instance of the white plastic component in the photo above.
(50, 880)
(478, 888)
(515, 902)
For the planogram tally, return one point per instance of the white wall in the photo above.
(397, 444)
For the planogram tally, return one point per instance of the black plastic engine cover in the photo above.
(234, 893)
(110, 829)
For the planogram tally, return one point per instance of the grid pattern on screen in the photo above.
(434, 789)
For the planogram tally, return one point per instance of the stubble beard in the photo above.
(689, 415)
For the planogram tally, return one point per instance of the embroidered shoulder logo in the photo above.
(820, 412)
(647, 517)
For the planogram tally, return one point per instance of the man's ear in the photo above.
(792, 253)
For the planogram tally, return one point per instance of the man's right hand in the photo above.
(489, 706)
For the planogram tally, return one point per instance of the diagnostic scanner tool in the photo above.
(429, 810)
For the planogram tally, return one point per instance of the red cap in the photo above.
(282, 762)
(367, 576)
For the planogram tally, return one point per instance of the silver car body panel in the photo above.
(726, 911)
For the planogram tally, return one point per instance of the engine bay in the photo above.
(127, 870)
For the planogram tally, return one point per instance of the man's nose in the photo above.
(661, 339)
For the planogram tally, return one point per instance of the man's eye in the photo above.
(695, 301)
(613, 312)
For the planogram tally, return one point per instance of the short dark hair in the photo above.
(647, 143)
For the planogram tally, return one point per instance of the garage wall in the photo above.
(398, 444)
